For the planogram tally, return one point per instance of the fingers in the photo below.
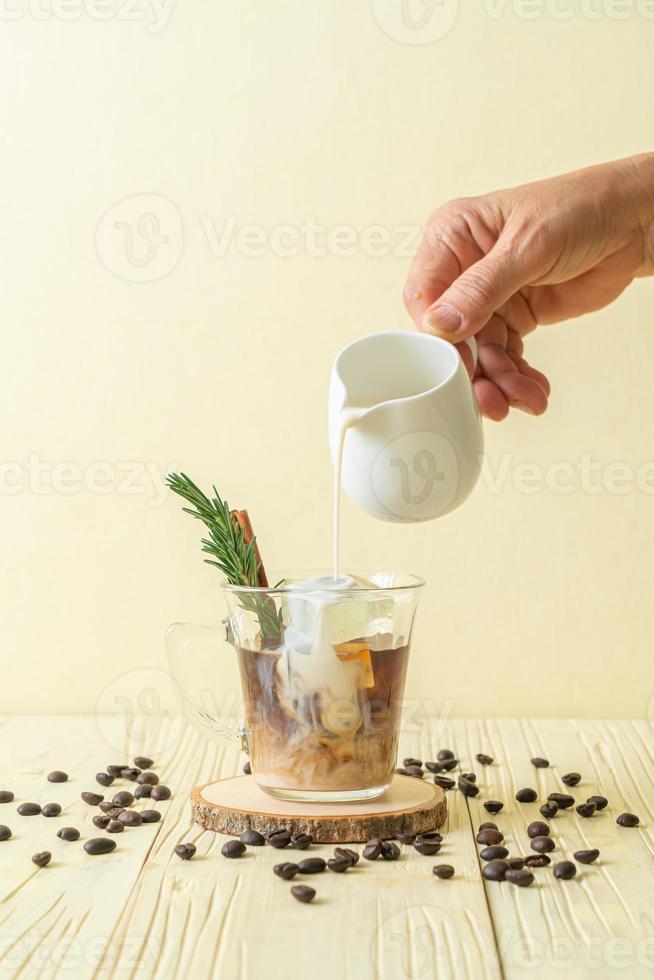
(521, 387)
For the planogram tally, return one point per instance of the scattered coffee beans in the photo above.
(538, 829)
(6, 796)
(130, 773)
(628, 820)
(347, 852)
(571, 778)
(287, 870)
(372, 850)
(28, 809)
(586, 857)
(101, 821)
(233, 849)
(57, 776)
(516, 864)
(92, 798)
(99, 845)
(538, 860)
(493, 806)
(562, 800)
(339, 864)
(600, 802)
(549, 809)
(5, 832)
(586, 809)
(542, 844)
(488, 825)
(412, 763)
(147, 778)
(311, 866)
(185, 851)
(470, 777)
(444, 755)
(443, 870)
(467, 788)
(124, 798)
(115, 770)
(493, 852)
(391, 852)
(42, 858)
(150, 816)
(520, 878)
(565, 869)
(160, 792)
(484, 760)
(540, 763)
(130, 818)
(495, 870)
(247, 768)
(68, 833)
(303, 893)
(434, 766)
(406, 838)
(115, 827)
(51, 810)
(450, 764)
(423, 845)
(444, 782)
(410, 771)
(142, 762)
(490, 836)
(526, 795)
(253, 838)
(279, 838)
(143, 791)
(104, 778)
(300, 842)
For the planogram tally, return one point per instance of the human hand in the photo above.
(496, 266)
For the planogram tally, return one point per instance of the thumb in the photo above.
(472, 299)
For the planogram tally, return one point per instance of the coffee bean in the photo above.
(347, 852)
(99, 845)
(493, 806)
(28, 809)
(562, 800)
(444, 755)
(160, 792)
(339, 864)
(412, 771)
(467, 788)
(101, 821)
(526, 795)
(600, 802)
(539, 763)
(520, 878)
(411, 763)
(185, 851)
(434, 766)
(233, 849)
(247, 768)
(571, 778)
(113, 812)
(142, 762)
(444, 782)
(123, 798)
(51, 810)
(279, 838)
(484, 760)
(150, 816)
(92, 798)
(300, 842)
(115, 827)
(42, 858)
(515, 864)
(538, 860)
(372, 850)
(130, 773)
(470, 777)
(57, 776)
(450, 764)
(311, 866)
(147, 778)
(115, 771)
(565, 869)
(542, 844)
(104, 778)
(391, 852)
(5, 832)
(538, 829)
(431, 835)
(549, 809)
(628, 820)
(130, 818)
(425, 846)
(143, 792)
(406, 838)
(303, 893)
(107, 805)
(286, 870)
(495, 870)
(488, 825)
(6, 796)
(443, 871)
(68, 833)
(586, 809)
(586, 857)
(490, 836)
(493, 852)
(253, 838)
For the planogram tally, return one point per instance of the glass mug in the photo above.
(322, 665)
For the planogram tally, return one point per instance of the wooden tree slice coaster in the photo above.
(409, 806)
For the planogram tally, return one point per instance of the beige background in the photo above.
(270, 114)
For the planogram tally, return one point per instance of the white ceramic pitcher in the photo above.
(414, 451)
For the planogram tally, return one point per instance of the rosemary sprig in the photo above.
(230, 552)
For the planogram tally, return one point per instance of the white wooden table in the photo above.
(142, 912)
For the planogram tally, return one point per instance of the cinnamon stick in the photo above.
(242, 519)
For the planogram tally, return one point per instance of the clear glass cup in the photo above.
(322, 664)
